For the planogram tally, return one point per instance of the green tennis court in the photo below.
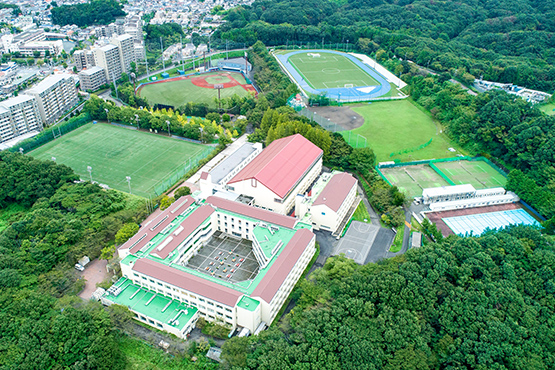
(115, 152)
(477, 173)
(413, 179)
(323, 70)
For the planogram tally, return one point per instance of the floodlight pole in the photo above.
(107, 111)
(115, 86)
(53, 159)
(137, 120)
(182, 60)
(21, 150)
(128, 179)
(168, 123)
(89, 168)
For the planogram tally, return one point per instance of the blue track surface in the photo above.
(340, 93)
(478, 223)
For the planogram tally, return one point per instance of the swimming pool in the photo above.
(476, 224)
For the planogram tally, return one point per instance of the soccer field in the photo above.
(330, 71)
(178, 92)
(115, 152)
(394, 126)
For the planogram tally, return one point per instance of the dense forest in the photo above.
(88, 14)
(464, 303)
(501, 40)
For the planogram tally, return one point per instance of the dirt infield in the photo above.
(201, 81)
(437, 217)
(343, 116)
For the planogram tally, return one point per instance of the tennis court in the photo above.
(476, 224)
(477, 173)
(115, 152)
(413, 179)
(323, 70)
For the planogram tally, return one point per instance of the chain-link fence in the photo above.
(52, 133)
(179, 173)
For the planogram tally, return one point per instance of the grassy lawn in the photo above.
(180, 92)
(141, 356)
(398, 241)
(392, 126)
(548, 108)
(330, 70)
(361, 213)
(115, 152)
(10, 214)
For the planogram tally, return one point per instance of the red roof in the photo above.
(257, 213)
(193, 221)
(282, 164)
(282, 266)
(336, 191)
(190, 282)
(148, 231)
(204, 175)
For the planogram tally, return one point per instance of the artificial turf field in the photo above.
(330, 71)
(116, 152)
(179, 92)
(413, 179)
(392, 126)
(548, 108)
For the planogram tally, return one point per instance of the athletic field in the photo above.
(548, 108)
(178, 91)
(413, 179)
(398, 125)
(323, 70)
(115, 152)
(477, 173)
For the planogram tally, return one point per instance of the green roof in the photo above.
(268, 240)
(248, 303)
(246, 287)
(152, 304)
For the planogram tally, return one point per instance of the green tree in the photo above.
(126, 232)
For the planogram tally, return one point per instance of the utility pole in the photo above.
(115, 85)
(226, 52)
(182, 60)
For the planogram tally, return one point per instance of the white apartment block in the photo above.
(92, 78)
(55, 95)
(108, 58)
(83, 59)
(126, 51)
(19, 116)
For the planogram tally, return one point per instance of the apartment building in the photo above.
(55, 95)
(126, 51)
(108, 58)
(92, 78)
(18, 116)
(83, 59)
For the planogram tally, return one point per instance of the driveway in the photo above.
(95, 272)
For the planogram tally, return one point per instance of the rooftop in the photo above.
(153, 253)
(448, 190)
(231, 162)
(91, 70)
(151, 304)
(336, 191)
(47, 83)
(282, 164)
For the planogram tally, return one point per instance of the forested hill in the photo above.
(501, 40)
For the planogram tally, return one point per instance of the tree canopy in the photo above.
(473, 303)
(88, 14)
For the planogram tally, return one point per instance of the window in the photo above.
(229, 317)
(277, 200)
(210, 303)
(201, 300)
(160, 284)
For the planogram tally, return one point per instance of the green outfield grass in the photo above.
(477, 173)
(115, 152)
(180, 92)
(548, 108)
(330, 70)
(392, 126)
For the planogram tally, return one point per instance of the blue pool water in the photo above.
(478, 223)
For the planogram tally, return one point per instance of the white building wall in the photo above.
(267, 199)
(325, 218)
